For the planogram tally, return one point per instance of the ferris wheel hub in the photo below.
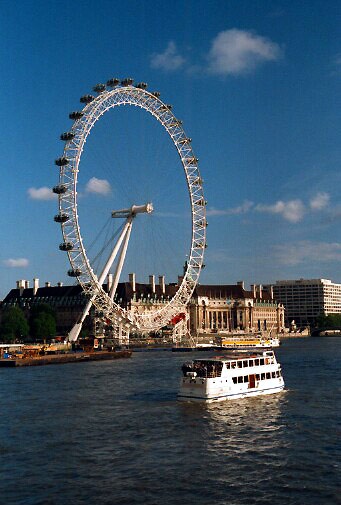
(133, 210)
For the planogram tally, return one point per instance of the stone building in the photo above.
(231, 308)
(212, 308)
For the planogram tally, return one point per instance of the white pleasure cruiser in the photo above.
(230, 377)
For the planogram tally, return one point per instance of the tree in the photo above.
(329, 321)
(42, 322)
(13, 325)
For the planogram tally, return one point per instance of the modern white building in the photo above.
(305, 299)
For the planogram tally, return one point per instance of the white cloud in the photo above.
(320, 201)
(43, 193)
(98, 186)
(306, 250)
(240, 52)
(169, 60)
(240, 209)
(292, 211)
(16, 262)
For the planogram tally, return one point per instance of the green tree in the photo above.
(329, 321)
(13, 325)
(42, 322)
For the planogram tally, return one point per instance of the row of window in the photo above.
(249, 362)
(262, 376)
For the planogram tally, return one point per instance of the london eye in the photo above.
(110, 97)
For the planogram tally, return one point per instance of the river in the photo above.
(107, 433)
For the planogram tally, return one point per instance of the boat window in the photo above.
(268, 375)
(234, 380)
(262, 376)
(257, 376)
(246, 378)
(228, 366)
(261, 361)
(240, 379)
(256, 362)
(245, 363)
(251, 362)
(240, 364)
(233, 364)
(273, 375)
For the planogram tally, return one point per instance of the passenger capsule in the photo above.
(76, 115)
(66, 246)
(67, 136)
(185, 141)
(127, 82)
(74, 273)
(99, 88)
(61, 162)
(192, 160)
(142, 85)
(156, 94)
(86, 98)
(60, 189)
(61, 218)
(175, 123)
(113, 82)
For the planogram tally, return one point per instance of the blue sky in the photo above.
(257, 87)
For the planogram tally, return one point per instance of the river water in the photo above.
(113, 433)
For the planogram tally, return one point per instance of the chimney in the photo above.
(21, 285)
(241, 283)
(162, 284)
(260, 291)
(59, 284)
(253, 289)
(132, 281)
(152, 282)
(35, 286)
(27, 284)
(47, 284)
(109, 282)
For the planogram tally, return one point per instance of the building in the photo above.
(231, 308)
(212, 308)
(306, 299)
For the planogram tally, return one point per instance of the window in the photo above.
(246, 378)
(228, 366)
(240, 379)
(234, 380)
(233, 364)
(240, 364)
(262, 376)
(268, 375)
(251, 363)
(245, 363)
(261, 361)
(256, 362)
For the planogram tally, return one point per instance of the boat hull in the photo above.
(228, 396)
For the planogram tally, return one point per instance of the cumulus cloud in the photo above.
(235, 52)
(98, 186)
(240, 209)
(16, 262)
(320, 201)
(169, 60)
(43, 193)
(292, 211)
(306, 250)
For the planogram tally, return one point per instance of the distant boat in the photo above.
(248, 342)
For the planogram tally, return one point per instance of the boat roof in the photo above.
(231, 356)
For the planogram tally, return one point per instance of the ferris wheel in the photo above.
(114, 94)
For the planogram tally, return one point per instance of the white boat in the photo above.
(231, 377)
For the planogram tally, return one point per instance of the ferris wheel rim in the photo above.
(69, 168)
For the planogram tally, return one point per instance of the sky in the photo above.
(257, 85)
